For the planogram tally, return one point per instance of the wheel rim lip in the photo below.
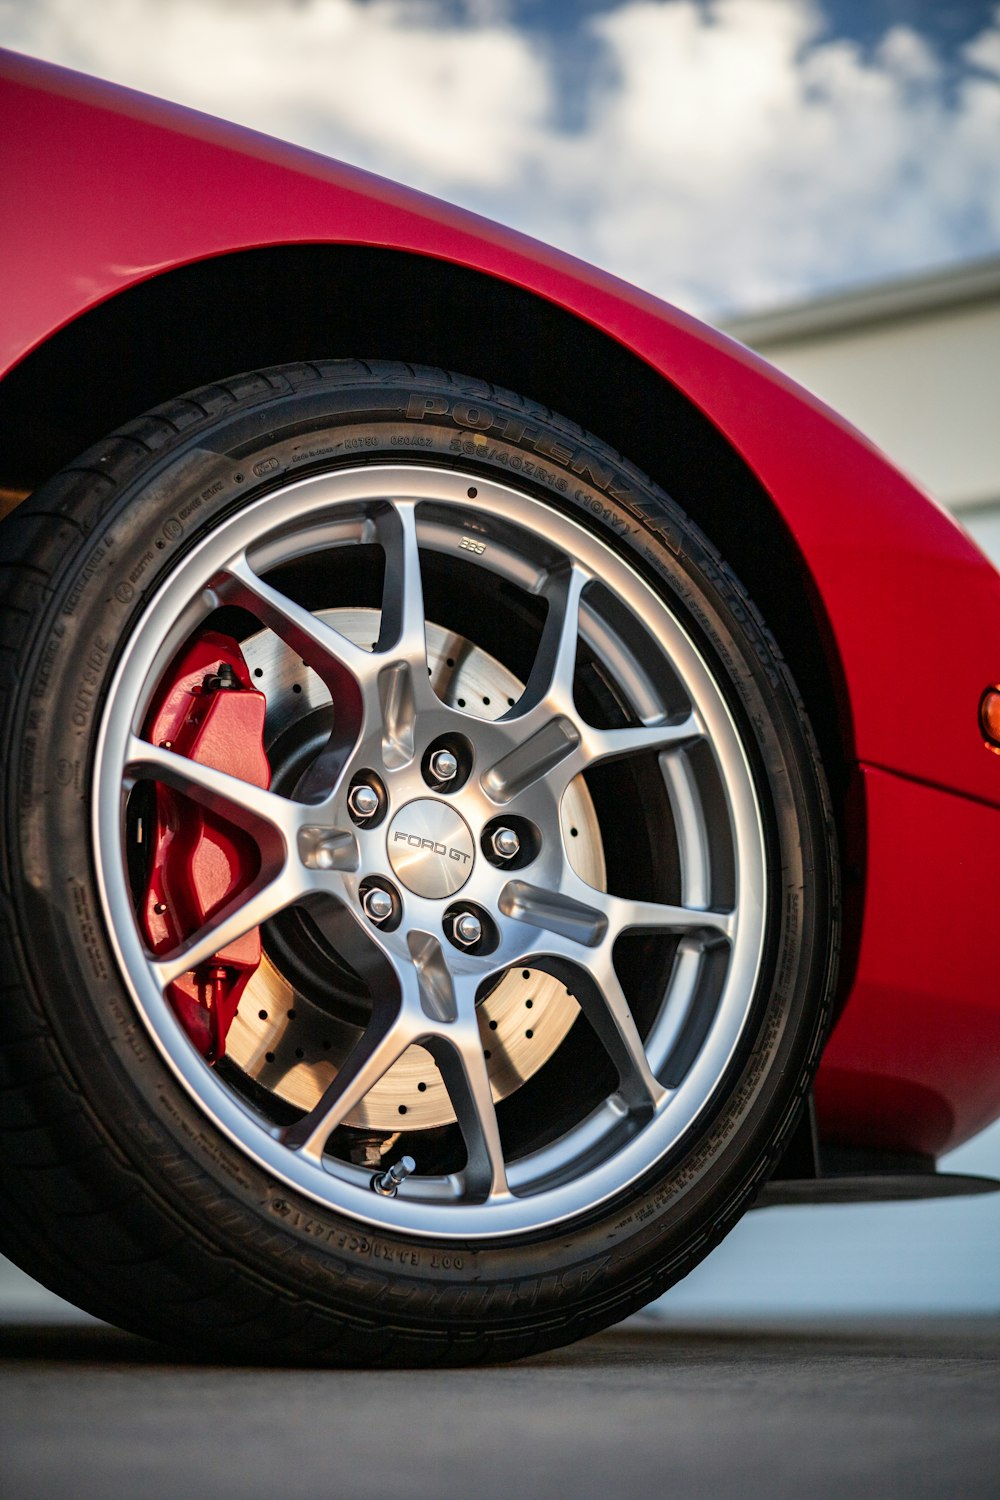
(338, 1186)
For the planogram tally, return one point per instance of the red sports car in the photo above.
(476, 743)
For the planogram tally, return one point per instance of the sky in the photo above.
(730, 155)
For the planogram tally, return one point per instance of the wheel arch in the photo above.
(215, 317)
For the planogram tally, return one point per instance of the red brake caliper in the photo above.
(209, 712)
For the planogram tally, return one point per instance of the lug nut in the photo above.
(387, 1184)
(467, 929)
(363, 800)
(377, 904)
(505, 843)
(443, 765)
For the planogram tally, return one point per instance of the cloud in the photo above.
(400, 86)
(740, 159)
(725, 153)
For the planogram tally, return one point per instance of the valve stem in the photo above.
(387, 1185)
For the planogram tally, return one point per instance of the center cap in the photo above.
(430, 848)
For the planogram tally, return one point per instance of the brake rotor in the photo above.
(293, 1047)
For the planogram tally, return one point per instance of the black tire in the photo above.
(121, 1191)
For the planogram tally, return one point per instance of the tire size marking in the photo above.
(363, 1244)
(482, 450)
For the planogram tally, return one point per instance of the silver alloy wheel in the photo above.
(544, 917)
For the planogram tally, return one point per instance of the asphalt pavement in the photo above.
(651, 1409)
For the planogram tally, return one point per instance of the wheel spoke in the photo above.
(342, 665)
(397, 702)
(272, 820)
(402, 683)
(625, 915)
(458, 1052)
(434, 979)
(552, 911)
(589, 917)
(600, 745)
(554, 667)
(552, 744)
(402, 631)
(557, 743)
(603, 1002)
(234, 920)
(386, 1039)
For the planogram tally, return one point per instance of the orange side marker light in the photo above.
(989, 718)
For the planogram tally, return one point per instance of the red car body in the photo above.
(888, 613)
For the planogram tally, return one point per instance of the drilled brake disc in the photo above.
(293, 1046)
